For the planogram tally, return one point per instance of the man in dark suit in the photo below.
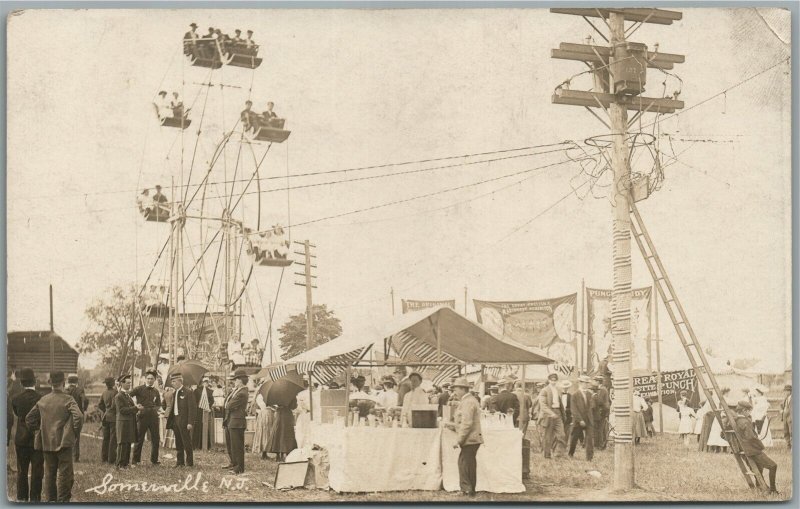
(57, 421)
(550, 417)
(27, 456)
(180, 411)
(582, 418)
(603, 403)
(507, 402)
(148, 401)
(80, 398)
(235, 421)
(126, 421)
(108, 448)
(203, 434)
(404, 387)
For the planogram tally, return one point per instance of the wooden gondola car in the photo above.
(202, 59)
(158, 214)
(239, 55)
(274, 262)
(272, 132)
(181, 122)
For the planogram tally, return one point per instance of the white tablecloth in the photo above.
(364, 459)
(499, 461)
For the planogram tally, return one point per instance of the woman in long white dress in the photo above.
(265, 421)
(687, 415)
(759, 415)
(639, 426)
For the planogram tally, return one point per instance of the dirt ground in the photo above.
(666, 470)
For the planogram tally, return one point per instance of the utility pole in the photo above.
(391, 292)
(309, 285)
(620, 75)
(52, 335)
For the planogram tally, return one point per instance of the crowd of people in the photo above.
(205, 46)
(556, 418)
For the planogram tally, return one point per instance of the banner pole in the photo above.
(584, 351)
(658, 367)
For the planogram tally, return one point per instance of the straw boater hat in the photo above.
(584, 379)
(552, 376)
(461, 382)
(564, 384)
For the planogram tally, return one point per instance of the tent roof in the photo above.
(460, 337)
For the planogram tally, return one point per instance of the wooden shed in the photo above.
(31, 349)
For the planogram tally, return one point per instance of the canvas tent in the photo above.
(437, 341)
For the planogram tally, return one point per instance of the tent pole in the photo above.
(311, 394)
(347, 395)
(658, 368)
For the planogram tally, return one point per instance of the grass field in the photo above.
(665, 471)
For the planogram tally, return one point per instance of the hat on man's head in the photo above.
(109, 380)
(162, 92)
(552, 376)
(744, 404)
(461, 382)
(249, 31)
(123, 378)
(565, 384)
(193, 25)
(56, 377)
(238, 31)
(158, 186)
(26, 375)
(787, 387)
(494, 388)
(72, 378)
(585, 379)
(176, 376)
(239, 373)
(594, 385)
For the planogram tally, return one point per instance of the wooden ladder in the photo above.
(697, 357)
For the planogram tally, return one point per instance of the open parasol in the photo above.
(192, 372)
(283, 390)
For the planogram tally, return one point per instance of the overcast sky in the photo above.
(365, 88)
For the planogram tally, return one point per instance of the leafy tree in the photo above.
(111, 326)
(293, 332)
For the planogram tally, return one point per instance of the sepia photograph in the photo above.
(399, 253)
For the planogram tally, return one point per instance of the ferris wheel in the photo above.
(217, 227)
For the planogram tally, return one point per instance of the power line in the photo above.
(314, 174)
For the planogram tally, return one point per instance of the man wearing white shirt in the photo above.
(416, 396)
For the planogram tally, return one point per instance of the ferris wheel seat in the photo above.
(248, 61)
(200, 61)
(275, 262)
(181, 122)
(271, 134)
(158, 214)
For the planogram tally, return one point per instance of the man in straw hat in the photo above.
(551, 414)
(469, 438)
(751, 445)
(108, 447)
(180, 410)
(148, 401)
(582, 418)
(27, 456)
(57, 420)
(235, 421)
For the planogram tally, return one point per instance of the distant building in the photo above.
(31, 349)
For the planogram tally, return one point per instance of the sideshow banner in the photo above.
(415, 305)
(672, 383)
(543, 326)
(599, 338)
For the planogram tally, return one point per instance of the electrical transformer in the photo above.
(629, 68)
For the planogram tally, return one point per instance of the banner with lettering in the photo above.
(599, 339)
(415, 305)
(544, 326)
(672, 383)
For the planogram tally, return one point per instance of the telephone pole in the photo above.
(620, 75)
(307, 282)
